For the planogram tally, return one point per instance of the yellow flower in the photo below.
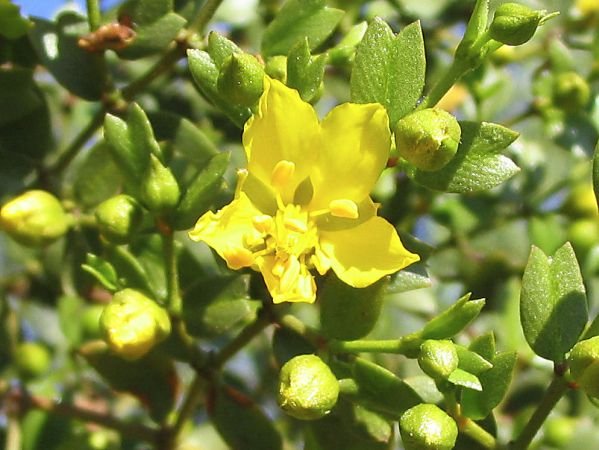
(303, 203)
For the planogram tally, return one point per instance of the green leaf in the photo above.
(205, 74)
(214, 305)
(102, 271)
(349, 427)
(18, 94)
(478, 165)
(553, 303)
(471, 361)
(131, 272)
(201, 192)
(389, 69)
(495, 383)
(12, 24)
(484, 346)
(153, 37)
(296, 20)
(144, 12)
(186, 138)
(453, 320)
(81, 72)
(97, 177)
(349, 313)
(152, 379)
(304, 72)
(379, 389)
(346, 48)
(131, 142)
(465, 379)
(241, 423)
(220, 48)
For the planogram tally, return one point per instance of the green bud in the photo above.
(584, 365)
(438, 359)
(159, 190)
(241, 79)
(558, 431)
(276, 67)
(515, 24)
(132, 324)
(90, 322)
(119, 218)
(32, 359)
(427, 427)
(428, 138)
(308, 390)
(571, 92)
(34, 218)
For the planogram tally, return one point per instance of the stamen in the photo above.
(253, 239)
(344, 207)
(282, 173)
(297, 225)
(278, 268)
(291, 274)
(263, 223)
(238, 257)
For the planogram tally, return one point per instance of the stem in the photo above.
(80, 140)
(247, 334)
(173, 294)
(93, 14)
(477, 433)
(204, 15)
(449, 78)
(135, 431)
(405, 345)
(297, 326)
(554, 392)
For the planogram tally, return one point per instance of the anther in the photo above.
(344, 207)
(282, 173)
(290, 275)
(263, 223)
(238, 257)
(297, 225)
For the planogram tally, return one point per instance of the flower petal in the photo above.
(353, 152)
(364, 254)
(284, 129)
(227, 230)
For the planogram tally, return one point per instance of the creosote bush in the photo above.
(311, 224)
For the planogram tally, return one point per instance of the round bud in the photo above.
(428, 138)
(514, 24)
(119, 218)
(427, 427)
(583, 234)
(584, 365)
(438, 359)
(571, 92)
(559, 431)
(32, 359)
(276, 67)
(241, 79)
(308, 390)
(132, 324)
(581, 201)
(34, 218)
(159, 190)
(90, 322)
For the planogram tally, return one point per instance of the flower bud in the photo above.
(276, 67)
(119, 218)
(34, 218)
(515, 24)
(159, 190)
(438, 359)
(132, 324)
(308, 390)
(428, 138)
(241, 79)
(571, 92)
(584, 365)
(32, 359)
(427, 427)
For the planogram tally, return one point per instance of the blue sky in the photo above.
(47, 8)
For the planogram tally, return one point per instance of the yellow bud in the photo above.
(34, 218)
(132, 324)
